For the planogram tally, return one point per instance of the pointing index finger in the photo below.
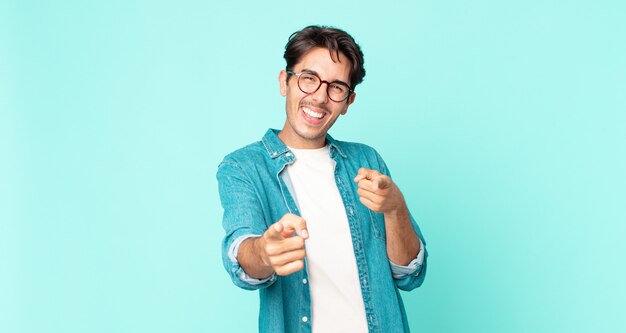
(364, 173)
(293, 223)
(299, 226)
(381, 182)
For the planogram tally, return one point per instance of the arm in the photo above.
(405, 245)
(402, 242)
(380, 194)
(244, 217)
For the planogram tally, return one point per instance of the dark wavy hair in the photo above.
(333, 39)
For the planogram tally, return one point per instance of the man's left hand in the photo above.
(378, 192)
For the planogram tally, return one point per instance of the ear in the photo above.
(282, 81)
(349, 102)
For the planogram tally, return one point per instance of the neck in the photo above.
(295, 141)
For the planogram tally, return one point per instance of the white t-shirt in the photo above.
(336, 299)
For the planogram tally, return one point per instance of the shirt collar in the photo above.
(276, 147)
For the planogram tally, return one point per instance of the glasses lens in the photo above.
(308, 83)
(338, 91)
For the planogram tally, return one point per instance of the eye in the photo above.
(308, 78)
(338, 88)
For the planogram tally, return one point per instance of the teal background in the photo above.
(504, 123)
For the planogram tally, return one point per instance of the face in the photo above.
(310, 116)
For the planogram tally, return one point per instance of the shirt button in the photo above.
(305, 319)
(273, 154)
(304, 281)
(288, 154)
(351, 211)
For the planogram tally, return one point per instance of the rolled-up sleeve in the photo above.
(412, 276)
(413, 268)
(232, 255)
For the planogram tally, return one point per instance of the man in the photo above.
(315, 224)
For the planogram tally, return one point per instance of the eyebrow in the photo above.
(316, 73)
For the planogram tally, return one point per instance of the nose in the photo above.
(321, 94)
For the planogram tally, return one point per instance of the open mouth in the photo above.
(313, 116)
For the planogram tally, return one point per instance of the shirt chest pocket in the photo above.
(377, 224)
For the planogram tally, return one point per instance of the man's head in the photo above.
(323, 67)
(334, 40)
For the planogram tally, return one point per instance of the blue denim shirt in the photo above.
(255, 193)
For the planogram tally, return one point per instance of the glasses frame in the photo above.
(297, 75)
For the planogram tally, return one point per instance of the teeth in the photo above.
(313, 113)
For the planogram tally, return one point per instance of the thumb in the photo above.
(275, 231)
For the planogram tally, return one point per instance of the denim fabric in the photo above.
(397, 271)
(255, 193)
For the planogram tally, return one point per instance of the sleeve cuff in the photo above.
(232, 255)
(413, 268)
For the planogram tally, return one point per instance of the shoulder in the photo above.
(248, 154)
(241, 164)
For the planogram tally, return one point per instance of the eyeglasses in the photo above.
(309, 83)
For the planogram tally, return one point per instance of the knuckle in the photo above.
(289, 218)
(271, 248)
(273, 261)
(299, 242)
(285, 218)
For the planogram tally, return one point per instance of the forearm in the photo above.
(249, 258)
(403, 244)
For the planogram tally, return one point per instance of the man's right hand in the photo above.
(278, 247)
